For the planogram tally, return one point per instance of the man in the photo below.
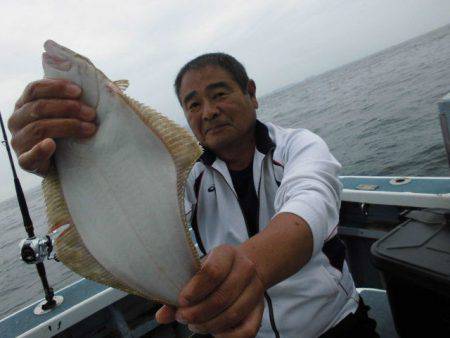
(263, 201)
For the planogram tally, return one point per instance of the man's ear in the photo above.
(251, 90)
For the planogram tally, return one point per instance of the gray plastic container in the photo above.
(414, 260)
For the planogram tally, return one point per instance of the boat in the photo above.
(374, 209)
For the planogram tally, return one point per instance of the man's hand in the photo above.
(224, 298)
(47, 109)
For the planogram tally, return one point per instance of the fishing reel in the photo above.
(36, 249)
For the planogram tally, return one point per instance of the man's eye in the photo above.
(193, 105)
(219, 95)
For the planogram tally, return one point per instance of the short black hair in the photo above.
(222, 60)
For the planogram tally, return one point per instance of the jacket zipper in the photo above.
(271, 315)
(235, 195)
(266, 295)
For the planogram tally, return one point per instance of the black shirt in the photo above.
(245, 189)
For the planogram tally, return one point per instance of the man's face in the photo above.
(218, 112)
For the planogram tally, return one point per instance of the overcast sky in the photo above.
(146, 42)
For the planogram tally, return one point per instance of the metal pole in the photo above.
(444, 116)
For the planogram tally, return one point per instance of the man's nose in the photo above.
(210, 111)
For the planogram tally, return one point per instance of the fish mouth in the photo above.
(55, 57)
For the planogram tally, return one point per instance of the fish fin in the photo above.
(70, 248)
(182, 146)
(122, 84)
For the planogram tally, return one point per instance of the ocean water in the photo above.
(378, 115)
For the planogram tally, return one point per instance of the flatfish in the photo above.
(121, 191)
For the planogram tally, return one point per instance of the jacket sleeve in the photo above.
(310, 187)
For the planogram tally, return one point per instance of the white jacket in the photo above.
(293, 171)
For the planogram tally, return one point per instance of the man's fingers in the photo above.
(237, 312)
(212, 273)
(37, 159)
(47, 89)
(242, 273)
(248, 328)
(49, 108)
(37, 131)
(165, 315)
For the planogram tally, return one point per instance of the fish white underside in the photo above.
(121, 190)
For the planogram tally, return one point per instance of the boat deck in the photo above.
(419, 192)
(84, 298)
(81, 299)
(88, 305)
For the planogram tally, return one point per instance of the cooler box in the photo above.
(414, 261)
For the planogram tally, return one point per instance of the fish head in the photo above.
(61, 62)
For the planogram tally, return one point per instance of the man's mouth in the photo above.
(215, 128)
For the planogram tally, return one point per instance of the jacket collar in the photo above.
(263, 144)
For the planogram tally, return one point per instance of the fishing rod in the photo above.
(34, 249)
